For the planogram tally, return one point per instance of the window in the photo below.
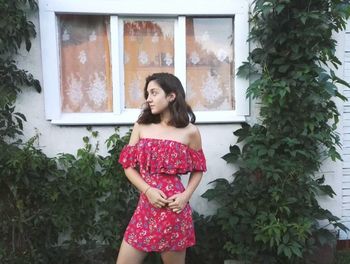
(148, 47)
(97, 54)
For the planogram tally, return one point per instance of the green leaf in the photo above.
(303, 19)
(327, 189)
(244, 70)
(283, 68)
(330, 88)
(209, 194)
(296, 250)
(233, 221)
(341, 226)
(279, 8)
(231, 157)
(287, 252)
(243, 132)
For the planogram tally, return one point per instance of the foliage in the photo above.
(24, 203)
(210, 241)
(92, 193)
(342, 257)
(15, 29)
(270, 209)
(64, 209)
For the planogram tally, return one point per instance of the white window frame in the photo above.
(49, 9)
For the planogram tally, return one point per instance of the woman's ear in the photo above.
(172, 97)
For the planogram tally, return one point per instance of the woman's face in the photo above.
(157, 100)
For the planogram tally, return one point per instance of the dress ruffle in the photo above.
(128, 156)
(159, 163)
(172, 158)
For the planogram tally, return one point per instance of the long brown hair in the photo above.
(181, 113)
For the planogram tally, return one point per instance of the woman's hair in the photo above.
(181, 113)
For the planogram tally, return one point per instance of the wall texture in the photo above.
(216, 137)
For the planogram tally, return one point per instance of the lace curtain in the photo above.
(210, 63)
(86, 84)
(148, 48)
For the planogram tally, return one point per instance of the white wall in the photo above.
(216, 138)
(342, 181)
(57, 139)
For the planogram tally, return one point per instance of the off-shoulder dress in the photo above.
(160, 162)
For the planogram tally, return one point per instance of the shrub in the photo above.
(59, 210)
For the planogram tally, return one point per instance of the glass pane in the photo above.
(86, 84)
(148, 48)
(210, 63)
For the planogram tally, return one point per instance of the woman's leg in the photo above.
(129, 255)
(174, 257)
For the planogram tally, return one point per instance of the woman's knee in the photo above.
(174, 257)
(130, 255)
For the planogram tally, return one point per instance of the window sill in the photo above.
(130, 116)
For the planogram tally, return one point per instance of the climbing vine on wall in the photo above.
(269, 212)
(16, 31)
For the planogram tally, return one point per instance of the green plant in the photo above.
(93, 202)
(15, 29)
(270, 210)
(210, 241)
(342, 257)
(94, 195)
(26, 226)
(67, 209)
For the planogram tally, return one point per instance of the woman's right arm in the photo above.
(154, 195)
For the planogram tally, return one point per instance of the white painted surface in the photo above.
(56, 139)
(343, 53)
(341, 180)
(216, 138)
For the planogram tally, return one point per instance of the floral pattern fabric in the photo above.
(160, 161)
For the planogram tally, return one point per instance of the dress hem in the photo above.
(158, 251)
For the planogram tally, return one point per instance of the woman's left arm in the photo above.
(179, 200)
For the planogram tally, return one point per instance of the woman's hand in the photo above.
(156, 197)
(177, 202)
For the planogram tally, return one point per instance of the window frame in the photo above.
(49, 9)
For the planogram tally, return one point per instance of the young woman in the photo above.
(164, 144)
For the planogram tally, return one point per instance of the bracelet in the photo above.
(146, 189)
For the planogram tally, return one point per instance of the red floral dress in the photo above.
(160, 161)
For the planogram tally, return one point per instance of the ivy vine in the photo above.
(269, 212)
(16, 30)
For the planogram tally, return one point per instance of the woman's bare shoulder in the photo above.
(194, 136)
(192, 129)
(143, 128)
(135, 134)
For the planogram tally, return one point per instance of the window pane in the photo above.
(86, 85)
(148, 48)
(210, 64)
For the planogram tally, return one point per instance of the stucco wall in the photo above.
(216, 137)
(56, 139)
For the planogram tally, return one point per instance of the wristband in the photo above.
(146, 189)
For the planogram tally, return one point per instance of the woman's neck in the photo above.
(165, 118)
